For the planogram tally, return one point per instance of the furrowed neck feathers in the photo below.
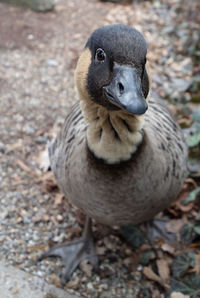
(111, 135)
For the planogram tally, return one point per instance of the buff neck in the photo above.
(111, 135)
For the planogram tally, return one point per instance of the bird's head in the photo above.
(111, 70)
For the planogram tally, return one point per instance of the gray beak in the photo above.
(125, 90)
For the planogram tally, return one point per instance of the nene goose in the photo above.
(120, 157)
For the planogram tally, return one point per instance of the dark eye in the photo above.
(100, 55)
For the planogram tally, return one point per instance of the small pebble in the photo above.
(29, 130)
(90, 286)
(30, 37)
(51, 62)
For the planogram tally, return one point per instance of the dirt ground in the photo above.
(38, 54)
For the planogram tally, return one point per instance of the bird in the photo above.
(120, 156)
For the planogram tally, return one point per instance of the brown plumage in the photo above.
(119, 164)
(129, 192)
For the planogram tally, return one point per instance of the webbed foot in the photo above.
(75, 252)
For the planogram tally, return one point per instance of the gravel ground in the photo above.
(38, 54)
(16, 283)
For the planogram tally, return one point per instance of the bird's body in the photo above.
(118, 162)
(124, 193)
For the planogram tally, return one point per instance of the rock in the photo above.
(28, 130)
(30, 37)
(51, 62)
(90, 286)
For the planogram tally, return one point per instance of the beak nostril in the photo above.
(121, 87)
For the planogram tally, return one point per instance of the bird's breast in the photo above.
(125, 193)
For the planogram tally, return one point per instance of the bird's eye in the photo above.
(100, 55)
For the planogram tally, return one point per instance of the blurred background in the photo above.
(40, 42)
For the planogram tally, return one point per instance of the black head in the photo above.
(111, 70)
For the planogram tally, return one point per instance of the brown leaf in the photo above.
(86, 268)
(156, 294)
(186, 208)
(185, 121)
(58, 199)
(178, 295)
(197, 264)
(54, 279)
(48, 182)
(100, 250)
(173, 212)
(168, 248)
(174, 225)
(128, 261)
(191, 181)
(14, 147)
(145, 247)
(148, 272)
(192, 245)
(41, 247)
(72, 283)
(109, 243)
(163, 269)
(25, 168)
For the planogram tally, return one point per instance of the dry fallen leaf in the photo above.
(86, 268)
(186, 208)
(14, 147)
(109, 244)
(178, 295)
(163, 269)
(40, 247)
(156, 294)
(58, 199)
(197, 264)
(148, 272)
(174, 225)
(101, 250)
(54, 279)
(168, 248)
(25, 168)
(191, 181)
(72, 283)
(48, 182)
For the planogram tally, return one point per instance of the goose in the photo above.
(120, 157)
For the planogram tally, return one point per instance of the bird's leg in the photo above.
(75, 252)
